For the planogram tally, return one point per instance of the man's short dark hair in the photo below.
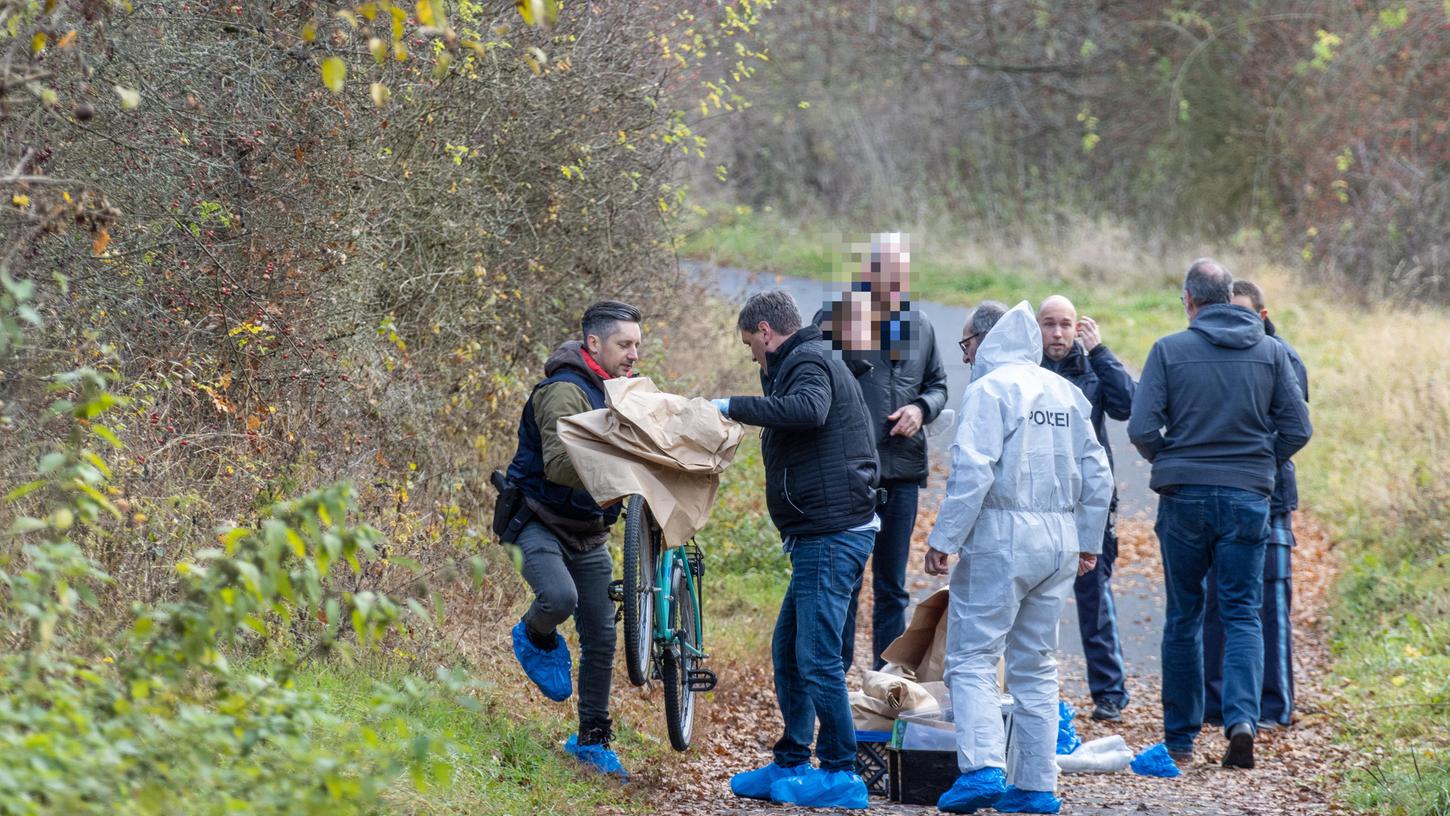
(1208, 282)
(1250, 290)
(985, 316)
(775, 308)
(602, 318)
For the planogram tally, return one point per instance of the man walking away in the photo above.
(905, 390)
(1074, 349)
(1276, 699)
(1026, 505)
(821, 478)
(1217, 411)
(565, 560)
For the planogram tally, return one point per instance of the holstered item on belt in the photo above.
(510, 511)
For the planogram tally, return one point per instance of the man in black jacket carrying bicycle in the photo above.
(821, 475)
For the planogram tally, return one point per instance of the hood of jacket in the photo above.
(1015, 339)
(1228, 326)
(570, 354)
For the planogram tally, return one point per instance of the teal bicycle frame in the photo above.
(663, 598)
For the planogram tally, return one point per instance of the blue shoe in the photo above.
(597, 758)
(823, 789)
(549, 670)
(756, 784)
(1016, 800)
(974, 790)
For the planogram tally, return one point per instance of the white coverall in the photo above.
(1029, 490)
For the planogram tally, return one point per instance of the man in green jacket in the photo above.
(565, 560)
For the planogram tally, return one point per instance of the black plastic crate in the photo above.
(871, 760)
(920, 777)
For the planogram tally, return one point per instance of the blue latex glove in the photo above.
(723, 404)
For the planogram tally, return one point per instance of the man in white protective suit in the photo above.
(1025, 509)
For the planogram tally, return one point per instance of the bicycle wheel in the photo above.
(679, 661)
(641, 547)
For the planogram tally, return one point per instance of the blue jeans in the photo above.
(1203, 527)
(888, 575)
(810, 682)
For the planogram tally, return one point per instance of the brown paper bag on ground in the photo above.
(922, 648)
(898, 693)
(870, 714)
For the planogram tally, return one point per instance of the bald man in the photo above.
(1073, 348)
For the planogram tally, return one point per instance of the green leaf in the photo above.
(51, 462)
(107, 434)
(334, 71)
(26, 524)
(25, 489)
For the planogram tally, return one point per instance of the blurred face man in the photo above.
(888, 269)
(1058, 321)
(618, 350)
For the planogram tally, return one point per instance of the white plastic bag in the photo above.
(1104, 755)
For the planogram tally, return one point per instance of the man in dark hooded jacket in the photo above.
(565, 560)
(1217, 411)
(1276, 703)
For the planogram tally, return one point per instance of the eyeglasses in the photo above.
(962, 344)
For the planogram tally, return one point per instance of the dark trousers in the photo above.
(1097, 622)
(1201, 527)
(810, 682)
(1276, 702)
(568, 582)
(888, 575)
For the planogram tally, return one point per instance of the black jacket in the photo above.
(915, 375)
(821, 471)
(1285, 498)
(1219, 404)
(1103, 380)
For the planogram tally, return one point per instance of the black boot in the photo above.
(1240, 747)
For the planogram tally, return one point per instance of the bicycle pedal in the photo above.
(616, 591)
(701, 680)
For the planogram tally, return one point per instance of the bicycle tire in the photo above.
(677, 662)
(639, 576)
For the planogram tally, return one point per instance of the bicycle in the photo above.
(663, 617)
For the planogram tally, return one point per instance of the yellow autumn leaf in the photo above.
(536, 58)
(425, 13)
(309, 31)
(103, 240)
(380, 94)
(20, 200)
(37, 43)
(379, 50)
(538, 12)
(334, 71)
(67, 39)
(1398, 680)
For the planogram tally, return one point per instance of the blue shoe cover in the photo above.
(597, 758)
(973, 791)
(1016, 800)
(1067, 739)
(549, 670)
(823, 789)
(1155, 761)
(756, 784)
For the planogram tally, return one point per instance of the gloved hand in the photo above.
(723, 405)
